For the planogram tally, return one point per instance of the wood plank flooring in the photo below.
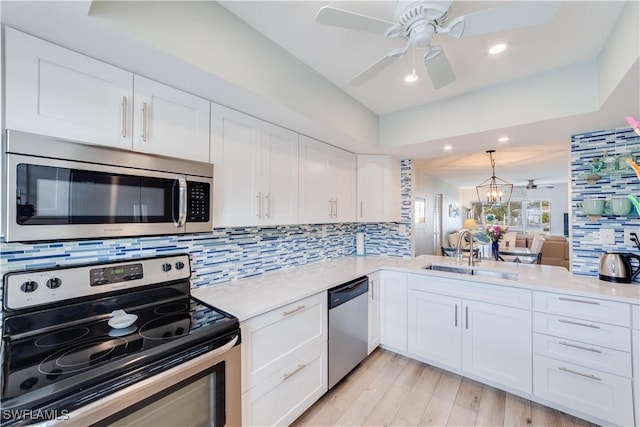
(392, 390)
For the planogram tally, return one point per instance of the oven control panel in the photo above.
(31, 288)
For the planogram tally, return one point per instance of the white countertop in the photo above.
(253, 296)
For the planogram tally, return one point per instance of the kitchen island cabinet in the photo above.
(327, 183)
(256, 170)
(54, 91)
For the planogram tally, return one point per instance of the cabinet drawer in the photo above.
(584, 331)
(615, 313)
(284, 396)
(503, 295)
(272, 341)
(601, 395)
(587, 355)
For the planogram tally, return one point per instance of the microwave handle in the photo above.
(182, 201)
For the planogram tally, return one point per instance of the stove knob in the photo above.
(29, 286)
(54, 283)
(179, 265)
(28, 383)
(166, 267)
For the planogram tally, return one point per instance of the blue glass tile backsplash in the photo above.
(608, 146)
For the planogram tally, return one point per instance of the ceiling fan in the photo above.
(418, 22)
(532, 186)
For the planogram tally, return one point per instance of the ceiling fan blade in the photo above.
(439, 69)
(376, 67)
(351, 20)
(509, 16)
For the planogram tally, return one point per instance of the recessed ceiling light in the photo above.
(447, 148)
(410, 78)
(497, 48)
(504, 139)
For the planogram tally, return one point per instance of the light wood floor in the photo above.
(392, 390)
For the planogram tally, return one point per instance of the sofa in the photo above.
(555, 249)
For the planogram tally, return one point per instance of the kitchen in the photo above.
(247, 247)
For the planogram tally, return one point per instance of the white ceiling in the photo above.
(576, 34)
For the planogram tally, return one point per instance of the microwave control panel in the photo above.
(198, 201)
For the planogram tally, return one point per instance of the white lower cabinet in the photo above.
(284, 361)
(582, 356)
(393, 311)
(635, 343)
(283, 397)
(374, 312)
(486, 340)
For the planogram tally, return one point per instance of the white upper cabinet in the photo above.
(327, 183)
(378, 188)
(54, 91)
(256, 170)
(170, 122)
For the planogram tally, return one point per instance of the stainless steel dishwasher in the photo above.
(348, 327)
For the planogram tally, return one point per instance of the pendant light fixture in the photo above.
(494, 188)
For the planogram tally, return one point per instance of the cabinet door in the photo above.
(393, 310)
(170, 122)
(235, 151)
(343, 181)
(496, 344)
(54, 91)
(435, 328)
(279, 182)
(370, 202)
(316, 199)
(374, 311)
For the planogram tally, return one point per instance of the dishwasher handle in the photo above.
(348, 291)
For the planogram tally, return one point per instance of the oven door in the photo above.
(204, 391)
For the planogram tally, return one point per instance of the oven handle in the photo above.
(182, 201)
(124, 398)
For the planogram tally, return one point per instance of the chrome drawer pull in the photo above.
(588, 325)
(595, 350)
(578, 300)
(285, 376)
(571, 371)
(455, 317)
(124, 116)
(298, 308)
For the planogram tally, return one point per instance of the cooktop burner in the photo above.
(57, 351)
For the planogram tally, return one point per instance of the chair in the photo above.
(536, 245)
(453, 239)
(509, 240)
(465, 252)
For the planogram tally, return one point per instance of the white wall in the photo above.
(558, 197)
(429, 186)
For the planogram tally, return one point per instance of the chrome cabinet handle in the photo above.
(267, 198)
(144, 121)
(578, 300)
(455, 317)
(466, 317)
(336, 212)
(259, 197)
(124, 116)
(360, 208)
(298, 308)
(571, 371)
(330, 208)
(586, 325)
(285, 376)
(595, 350)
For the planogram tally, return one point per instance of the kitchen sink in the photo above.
(473, 271)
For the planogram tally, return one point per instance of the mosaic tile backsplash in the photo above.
(615, 181)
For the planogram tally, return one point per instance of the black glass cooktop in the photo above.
(74, 346)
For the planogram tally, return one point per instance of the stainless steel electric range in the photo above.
(119, 341)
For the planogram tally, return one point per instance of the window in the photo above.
(420, 210)
(525, 216)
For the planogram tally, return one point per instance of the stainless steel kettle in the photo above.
(616, 267)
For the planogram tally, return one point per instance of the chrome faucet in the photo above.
(459, 248)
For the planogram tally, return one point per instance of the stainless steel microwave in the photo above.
(58, 190)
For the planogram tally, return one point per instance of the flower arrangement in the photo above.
(496, 232)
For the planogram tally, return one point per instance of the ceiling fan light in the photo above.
(410, 78)
(497, 48)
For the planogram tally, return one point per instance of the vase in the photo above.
(495, 250)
